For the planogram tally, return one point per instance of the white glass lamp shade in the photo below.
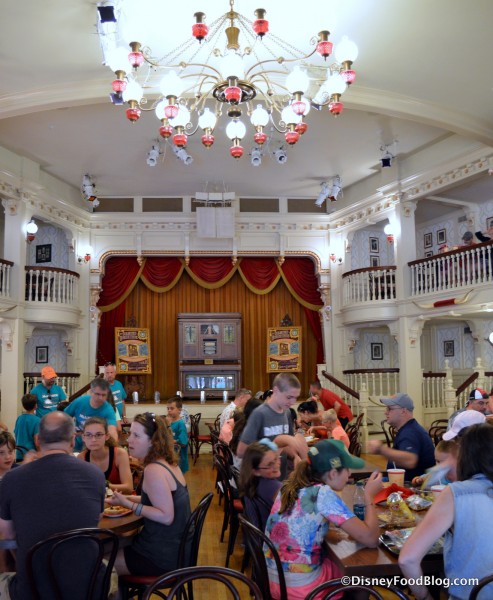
(335, 84)
(159, 110)
(235, 130)
(491, 337)
(346, 50)
(388, 230)
(297, 81)
(308, 105)
(31, 227)
(133, 91)
(171, 85)
(117, 59)
(289, 116)
(260, 117)
(182, 118)
(232, 66)
(207, 119)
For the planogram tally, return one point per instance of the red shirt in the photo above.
(329, 399)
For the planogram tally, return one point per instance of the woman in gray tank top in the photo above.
(164, 503)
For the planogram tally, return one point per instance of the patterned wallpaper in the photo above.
(362, 249)
(57, 353)
(383, 344)
(54, 236)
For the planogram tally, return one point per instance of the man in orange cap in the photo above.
(49, 394)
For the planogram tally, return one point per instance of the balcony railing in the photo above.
(457, 269)
(70, 382)
(373, 284)
(378, 382)
(5, 268)
(50, 284)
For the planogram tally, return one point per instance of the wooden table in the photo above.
(365, 471)
(355, 559)
(121, 525)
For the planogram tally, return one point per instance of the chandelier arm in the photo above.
(281, 60)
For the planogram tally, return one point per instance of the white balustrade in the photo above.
(374, 284)
(52, 285)
(5, 269)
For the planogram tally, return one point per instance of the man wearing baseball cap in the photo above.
(413, 448)
(48, 393)
(465, 419)
(478, 400)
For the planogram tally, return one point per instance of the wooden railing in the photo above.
(373, 284)
(433, 387)
(69, 382)
(457, 269)
(5, 268)
(50, 284)
(378, 382)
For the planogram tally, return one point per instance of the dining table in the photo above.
(121, 525)
(354, 559)
(365, 471)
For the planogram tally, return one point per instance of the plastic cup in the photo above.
(396, 476)
(437, 489)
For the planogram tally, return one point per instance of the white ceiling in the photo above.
(423, 73)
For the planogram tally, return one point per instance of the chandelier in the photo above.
(267, 80)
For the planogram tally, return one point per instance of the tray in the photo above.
(394, 540)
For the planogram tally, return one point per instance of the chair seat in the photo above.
(203, 438)
(238, 505)
(143, 580)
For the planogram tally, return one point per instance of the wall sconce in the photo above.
(332, 257)
(86, 257)
(388, 232)
(31, 230)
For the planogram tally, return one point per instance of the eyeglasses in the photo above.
(270, 465)
(96, 436)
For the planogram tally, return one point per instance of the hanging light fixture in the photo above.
(31, 230)
(211, 73)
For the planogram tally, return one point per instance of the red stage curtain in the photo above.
(259, 274)
(160, 274)
(299, 274)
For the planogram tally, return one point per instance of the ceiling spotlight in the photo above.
(256, 157)
(330, 190)
(153, 155)
(324, 192)
(280, 155)
(183, 155)
(336, 188)
(88, 189)
(388, 155)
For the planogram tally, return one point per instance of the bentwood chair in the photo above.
(255, 540)
(197, 439)
(135, 585)
(232, 506)
(227, 577)
(479, 593)
(335, 587)
(70, 565)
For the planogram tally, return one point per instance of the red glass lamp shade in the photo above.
(171, 111)
(349, 76)
(299, 107)
(199, 31)
(207, 140)
(336, 108)
(324, 48)
(180, 140)
(236, 151)
(87, 257)
(260, 137)
(30, 237)
(291, 137)
(301, 128)
(133, 114)
(232, 94)
(261, 27)
(136, 59)
(119, 85)
(165, 131)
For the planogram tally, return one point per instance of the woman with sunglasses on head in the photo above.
(164, 503)
(102, 451)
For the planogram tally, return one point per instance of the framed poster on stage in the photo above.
(283, 349)
(133, 351)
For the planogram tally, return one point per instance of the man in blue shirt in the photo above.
(93, 405)
(413, 448)
(48, 393)
(117, 389)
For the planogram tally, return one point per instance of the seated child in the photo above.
(446, 453)
(309, 415)
(27, 426)
(331, 428)
(7, 452)
(179, 431)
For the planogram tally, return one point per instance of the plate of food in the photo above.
(116, 511)
(394, 540)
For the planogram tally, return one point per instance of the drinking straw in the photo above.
(394, 465)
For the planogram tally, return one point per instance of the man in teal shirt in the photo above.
(93, 405)
(48, 393)
(117, 389)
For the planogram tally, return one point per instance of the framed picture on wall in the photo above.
(377, 351)
(428, 240)
(41, 354)
(374, 245)
(428, 253)
(441, 236)
(43, 253)
(448, 348)
(374, 261)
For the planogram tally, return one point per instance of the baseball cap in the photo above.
(462, 420)
(478, 394)
(468, 236)
(402, 400)
(48, 373)
(332, 454)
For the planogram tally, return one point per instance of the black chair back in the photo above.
(70, 565)
(255, 540)
(334, 587)
(476, 590)
(177, 580)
